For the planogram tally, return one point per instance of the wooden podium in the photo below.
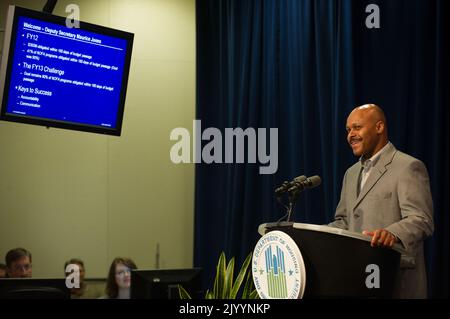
(336, 261)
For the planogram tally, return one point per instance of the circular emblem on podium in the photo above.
(278, 268)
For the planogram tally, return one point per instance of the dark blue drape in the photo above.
(301, 66)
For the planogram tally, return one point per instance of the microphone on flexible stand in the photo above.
(310, 182)
(293, 189)
(287, 185)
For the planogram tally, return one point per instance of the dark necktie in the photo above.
(358, 185)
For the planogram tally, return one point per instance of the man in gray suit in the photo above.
(386, 195)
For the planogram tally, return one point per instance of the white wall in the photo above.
(70, 194)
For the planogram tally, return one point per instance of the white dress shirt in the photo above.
(367, 166)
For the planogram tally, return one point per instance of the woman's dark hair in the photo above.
(112, 290)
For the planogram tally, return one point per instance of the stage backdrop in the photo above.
(301, 67)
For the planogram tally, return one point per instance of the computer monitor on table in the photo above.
(163, 283)
(34, 288)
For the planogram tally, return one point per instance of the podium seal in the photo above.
(278, 268)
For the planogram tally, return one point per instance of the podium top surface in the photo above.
(326, 229)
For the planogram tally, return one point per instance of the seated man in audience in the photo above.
(18, 263)
(2, 270)
(84, 291)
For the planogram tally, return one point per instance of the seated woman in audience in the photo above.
(119, 277)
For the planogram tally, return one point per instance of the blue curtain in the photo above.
(301, 66)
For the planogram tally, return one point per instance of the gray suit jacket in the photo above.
(396, 197)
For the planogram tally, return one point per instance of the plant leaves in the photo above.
(183, 293)
(228, 284)
(240, 277)
(209, 295)
(220, 277)
(254, 295)
(248, 286)
(224, 285)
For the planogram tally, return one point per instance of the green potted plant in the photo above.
(225, 287)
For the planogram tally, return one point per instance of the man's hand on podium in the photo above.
(381, 238)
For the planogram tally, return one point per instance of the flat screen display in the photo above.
(163, 283)
(56, 76)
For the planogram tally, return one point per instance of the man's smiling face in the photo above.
(364, 132)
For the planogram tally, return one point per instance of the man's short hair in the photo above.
(77, 261)
(16, 254)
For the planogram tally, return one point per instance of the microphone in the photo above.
(287, 185)
(309, 182)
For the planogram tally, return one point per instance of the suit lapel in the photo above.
(377, 171)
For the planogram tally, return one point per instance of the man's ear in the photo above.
(380, 127)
